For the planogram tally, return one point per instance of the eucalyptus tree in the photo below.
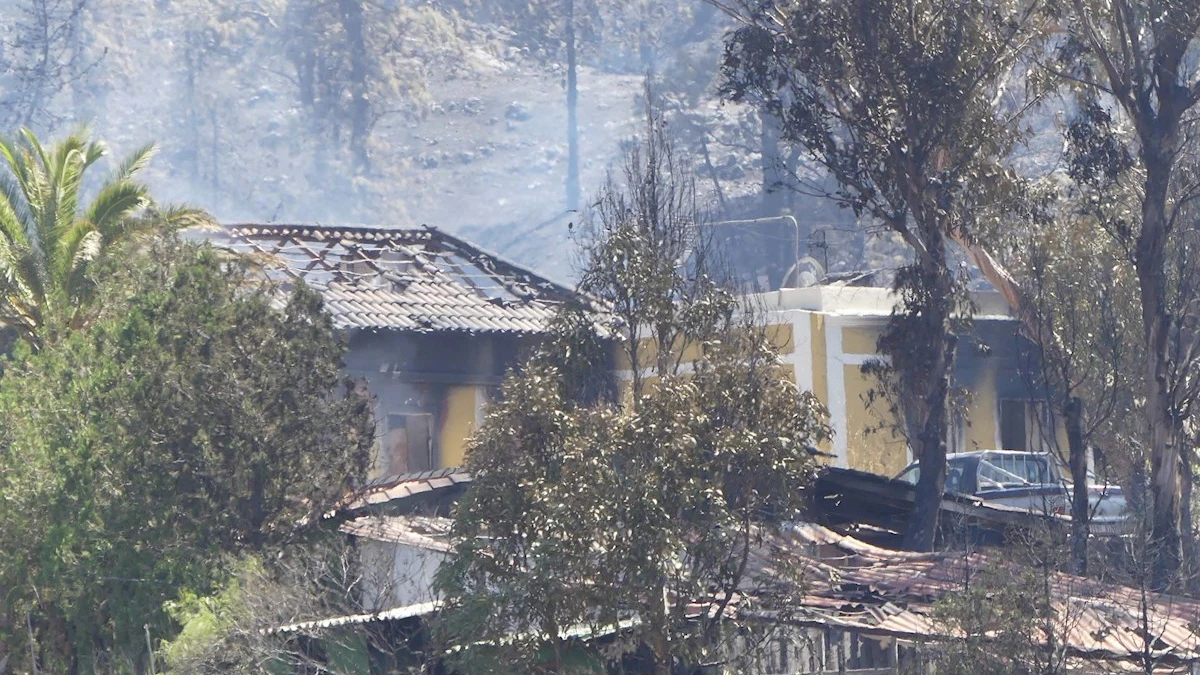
(908, 106)
(624, 514)
(1079, 306)
(52, 240)
(1134, 65)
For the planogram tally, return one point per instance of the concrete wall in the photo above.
(397, 575)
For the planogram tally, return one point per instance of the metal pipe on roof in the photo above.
(771, 219)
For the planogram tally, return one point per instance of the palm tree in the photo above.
(51, 245)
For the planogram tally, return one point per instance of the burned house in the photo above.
(431, 322)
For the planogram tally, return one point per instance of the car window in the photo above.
(992, 476)
(1026, 468)
(910, 475)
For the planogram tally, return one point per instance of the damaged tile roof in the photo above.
(401, 487)
(850, 585)
(421, 280)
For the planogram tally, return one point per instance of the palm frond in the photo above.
(19, 296)
(81, 153)
(12, 271)
(39, 189)
(18, 160)
(71, 250)
(133, 163)
(112, 211)
(77, 281)
(177, 217)
(14, 211)
(48, 248)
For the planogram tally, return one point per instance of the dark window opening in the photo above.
(408, 443)
(1014, 432)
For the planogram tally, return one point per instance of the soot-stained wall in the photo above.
(430, 390)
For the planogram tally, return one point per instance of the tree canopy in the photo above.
(587, 511)
(199, 421)
(907, 106)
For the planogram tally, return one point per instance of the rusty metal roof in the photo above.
(421, 280)
(856, 586)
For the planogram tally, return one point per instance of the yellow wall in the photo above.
(458, 423)
(871, 444)
(820, 359)
(781, 337)
(981, 413)
(859, 340)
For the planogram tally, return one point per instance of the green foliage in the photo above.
(197, 420)
(1012, 614)
(50, 241)
(204, 620)
(588, 512)
(1133, 158)
(232, 630)
(581, 516)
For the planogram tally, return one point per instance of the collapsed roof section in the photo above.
(419, 280)
(852, 585)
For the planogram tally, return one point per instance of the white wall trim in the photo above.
(800, 359)
(836, 378)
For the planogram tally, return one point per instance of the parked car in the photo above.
(1028, 480)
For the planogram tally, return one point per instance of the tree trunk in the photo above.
(930, 448)
(926, 385)
(216, 158)
(712, 174)
(572, 113)
(360, 103)
(1080, 509)
(1165, 476)
(1186, 476)
(191, 103)
(77, 35)
(779, 258)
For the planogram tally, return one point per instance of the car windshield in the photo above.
(1002, 471)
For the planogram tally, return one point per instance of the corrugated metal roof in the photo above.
(411, 280)
(856, 586)
(393, 614)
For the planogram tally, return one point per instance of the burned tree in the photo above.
(40, 59)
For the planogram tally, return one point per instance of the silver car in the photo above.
(1030, 481)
